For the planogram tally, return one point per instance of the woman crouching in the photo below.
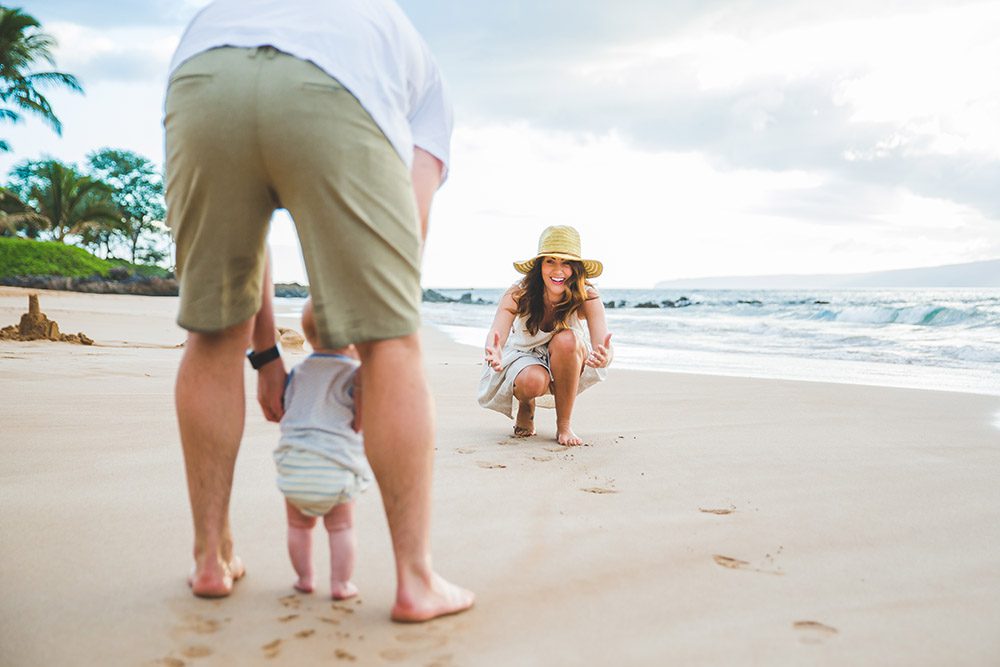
(537, 348)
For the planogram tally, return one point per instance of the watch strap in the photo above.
(260, 359)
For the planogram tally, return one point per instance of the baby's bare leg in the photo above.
(300, 546)
(339, 524)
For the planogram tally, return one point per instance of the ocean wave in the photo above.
(913, 315)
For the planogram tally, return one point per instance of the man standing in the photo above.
(335, 111)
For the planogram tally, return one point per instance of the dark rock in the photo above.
(291, 291)
(647, 304)
(753, 302)
(134, 284)
(822, 303)
(466, 298)
(432, 296)
(609, 304)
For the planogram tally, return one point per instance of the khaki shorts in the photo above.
(249, 131)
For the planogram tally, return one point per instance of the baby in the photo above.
(321, 458)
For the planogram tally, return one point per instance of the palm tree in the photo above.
(16, 216)
(22, 43)
(65, 201)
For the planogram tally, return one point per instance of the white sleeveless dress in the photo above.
(522, 349)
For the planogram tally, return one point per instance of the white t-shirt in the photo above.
(370, 46)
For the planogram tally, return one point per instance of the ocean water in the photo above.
(945, 339)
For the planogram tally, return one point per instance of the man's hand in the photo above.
(271, 390)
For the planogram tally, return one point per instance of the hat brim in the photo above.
(591, 267)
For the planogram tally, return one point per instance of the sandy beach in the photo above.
(708, 521)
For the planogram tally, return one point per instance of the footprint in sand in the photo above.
(813, 632)
(271, 649)
(416, 643)
(341, 654)
(737, 564)
(719, 511)
(196, 652)
(290, 617)
(441, 661)
(201, 625)
(465, 450)
(600, 490)
(331, 621)
(305, 634)
(290, 601)
(490, 466)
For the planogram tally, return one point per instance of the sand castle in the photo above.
(35, 325)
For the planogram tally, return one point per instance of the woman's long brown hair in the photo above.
(530, 297)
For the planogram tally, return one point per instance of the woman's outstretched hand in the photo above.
(493, 355)
(601, 355)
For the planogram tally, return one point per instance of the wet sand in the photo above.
(707, 521)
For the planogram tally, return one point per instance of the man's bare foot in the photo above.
(566, 437)
(342, 590)
(303, 585)
(216, 580)
(524, 425)
(426, 600)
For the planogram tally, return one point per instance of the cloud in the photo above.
(902, 93)
(113, 54)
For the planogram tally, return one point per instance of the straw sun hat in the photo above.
(561, 241)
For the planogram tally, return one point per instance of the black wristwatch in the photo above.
(260, 359)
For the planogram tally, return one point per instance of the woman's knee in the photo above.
(565, 344)
(532, 382)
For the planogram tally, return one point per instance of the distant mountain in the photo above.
(973, 274)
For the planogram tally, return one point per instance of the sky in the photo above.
(682, 138)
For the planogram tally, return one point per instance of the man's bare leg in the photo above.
(399, 442)
(566, 355)
(210, 411)
(529, 384)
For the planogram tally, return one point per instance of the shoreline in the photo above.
(708, 520)
(908, 380)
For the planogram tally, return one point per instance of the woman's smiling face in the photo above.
(556, 273)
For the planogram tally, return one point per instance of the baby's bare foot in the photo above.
(215, 579)
(524, 425)
(566, 437)
(304, 585)
(342, 590)
(421, 601)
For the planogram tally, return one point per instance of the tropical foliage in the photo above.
(65, 202)
(137, 193)
(113, 205)
(22, 45)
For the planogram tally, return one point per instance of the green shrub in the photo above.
(24, 257)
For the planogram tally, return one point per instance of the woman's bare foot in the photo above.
(303, 585)
(216, 579)
(342, 590)
(524, 425)
(566, 437)
(424, 600)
